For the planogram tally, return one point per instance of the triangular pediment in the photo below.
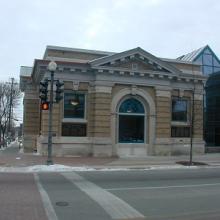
(134, 60)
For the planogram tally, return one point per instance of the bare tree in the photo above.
(9, 98)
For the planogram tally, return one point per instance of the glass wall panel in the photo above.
(216, 62)
(199, 59)
(216, 69)
(207, 59)
(207, 70)
(207, 51)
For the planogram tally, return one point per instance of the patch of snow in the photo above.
(36, 154)
(161, 167)
(44, 168)
(63, 168)
(2, 148)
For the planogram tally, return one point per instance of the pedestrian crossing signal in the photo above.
(45, 106)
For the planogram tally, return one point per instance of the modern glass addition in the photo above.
(131, 121)
(179, 110)
(210, 63)
(74, 105)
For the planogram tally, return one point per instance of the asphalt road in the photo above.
(192, 194)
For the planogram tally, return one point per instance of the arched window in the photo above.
(131, 121)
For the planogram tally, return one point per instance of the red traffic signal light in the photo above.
(45, 106)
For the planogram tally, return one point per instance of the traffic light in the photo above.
(45, 105)
(59, 91)
(43, 90)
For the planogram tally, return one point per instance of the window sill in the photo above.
(74, 120)
(179, 123)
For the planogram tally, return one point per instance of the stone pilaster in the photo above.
(198, 116)
(163, 113)
(100, 121)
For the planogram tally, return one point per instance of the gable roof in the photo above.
(195, 54)
(103, 60)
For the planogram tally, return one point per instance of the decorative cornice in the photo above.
(152, 74)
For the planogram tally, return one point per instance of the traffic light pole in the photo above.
(49, 158)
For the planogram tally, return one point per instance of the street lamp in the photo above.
(52, 66)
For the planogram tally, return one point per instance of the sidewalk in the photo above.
(11, 157)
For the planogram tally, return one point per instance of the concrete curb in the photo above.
(62, 168)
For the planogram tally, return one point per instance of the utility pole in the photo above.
(10, 106)
(192, 126)
(49, 159)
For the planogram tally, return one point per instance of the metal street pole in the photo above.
(192, 128)
(49, 158)
(52, 67)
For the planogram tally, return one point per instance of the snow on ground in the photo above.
(63, 168)
(10, 145)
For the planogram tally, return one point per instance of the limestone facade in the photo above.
(106, 80)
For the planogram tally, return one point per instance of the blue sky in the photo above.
(165, 28)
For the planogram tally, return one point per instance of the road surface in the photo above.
(103, 195)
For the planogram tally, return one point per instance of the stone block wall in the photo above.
(163, 117)
(31, 125)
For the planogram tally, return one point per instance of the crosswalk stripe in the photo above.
(114, 206)
(46, 200)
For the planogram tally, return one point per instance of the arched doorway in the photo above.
(131, 121)
(132, 102)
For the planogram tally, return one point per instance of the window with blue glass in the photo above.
(209, 61)
(131, 106)
(74, 105)
(131, 121)
(179, 110)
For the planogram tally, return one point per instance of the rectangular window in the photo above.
(180, 131)
(179, 110)
(74, 105)
(74, 129)
(74, 119)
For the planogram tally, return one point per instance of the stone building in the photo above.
(115, 104)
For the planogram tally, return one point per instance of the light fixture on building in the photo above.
(74, 101)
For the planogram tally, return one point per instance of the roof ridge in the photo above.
(192, 55)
